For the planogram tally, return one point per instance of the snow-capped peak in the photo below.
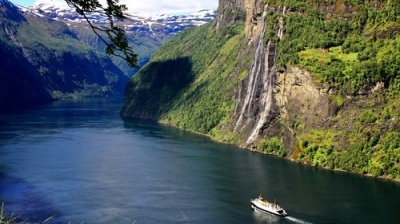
(135, 22)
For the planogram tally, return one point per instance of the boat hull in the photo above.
(258, 206)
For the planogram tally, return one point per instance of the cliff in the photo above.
(307, 80)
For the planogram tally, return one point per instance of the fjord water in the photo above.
(78, 161)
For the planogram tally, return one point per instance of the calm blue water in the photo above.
(77, 161)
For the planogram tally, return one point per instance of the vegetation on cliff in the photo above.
(354, 51)
(187, 82)
(350, 47)
(349, 44)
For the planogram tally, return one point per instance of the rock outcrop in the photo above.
(229, 12)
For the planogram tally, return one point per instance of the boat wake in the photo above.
(296, 220)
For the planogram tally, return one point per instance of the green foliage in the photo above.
(316, 148)
(364, 36)
(367, 117)
(386, 156)
(372, 152)
(340, 100)
(355, 159)
(272, 146)
(203, 102)
(394, 89)
(152, 93)
(382, 160)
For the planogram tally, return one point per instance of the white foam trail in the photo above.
(296, 220)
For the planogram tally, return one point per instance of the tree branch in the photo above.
(117, 43)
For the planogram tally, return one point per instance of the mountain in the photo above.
(145, 33)
(43, 60)
(316, 82)
(168, 25)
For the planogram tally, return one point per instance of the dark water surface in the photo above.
(79, 162)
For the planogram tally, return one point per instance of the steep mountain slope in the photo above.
(14, 66)
(313, 81)
(44, 60)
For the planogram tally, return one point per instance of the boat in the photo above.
(260, 204)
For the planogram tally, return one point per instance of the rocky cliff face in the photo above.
(254, 11)
(300, 101)
(230, 12)
(267, 95)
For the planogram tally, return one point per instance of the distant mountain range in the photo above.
(154, 25)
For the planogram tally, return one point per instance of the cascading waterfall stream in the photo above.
(280, 31)
(259, 93)
(268, 76)
(267, 96)
(256, 69)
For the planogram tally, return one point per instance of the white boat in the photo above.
(260, 204)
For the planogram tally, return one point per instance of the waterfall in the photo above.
(258, 101)
(256, 69)
(267, 94)
(280, 30)
(268, 79)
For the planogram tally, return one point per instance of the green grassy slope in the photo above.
(187, 82)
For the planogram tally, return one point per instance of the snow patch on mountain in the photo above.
(135, 22)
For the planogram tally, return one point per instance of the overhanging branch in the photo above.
(117, 43)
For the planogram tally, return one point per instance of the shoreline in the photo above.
(381, 178)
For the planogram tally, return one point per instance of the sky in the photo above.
(151, 7)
